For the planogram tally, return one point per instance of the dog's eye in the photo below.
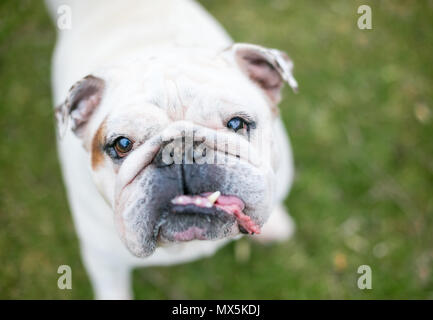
(122, 146)
(237, 123)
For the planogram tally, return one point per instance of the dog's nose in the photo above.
(179, 152)
(184, 162)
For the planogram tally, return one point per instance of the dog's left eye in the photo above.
(122, 146)
(237, 123)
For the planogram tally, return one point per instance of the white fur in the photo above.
(102, 32)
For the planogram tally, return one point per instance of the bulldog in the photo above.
(169, 136)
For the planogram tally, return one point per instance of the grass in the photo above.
(361, 129)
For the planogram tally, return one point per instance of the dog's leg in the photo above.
(110, 278)
(280, 227)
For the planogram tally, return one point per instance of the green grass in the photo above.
(361, 129)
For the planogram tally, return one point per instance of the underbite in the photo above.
(231, 205)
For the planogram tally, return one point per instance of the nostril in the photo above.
(164, 157)
(158, 160)
(181, 152)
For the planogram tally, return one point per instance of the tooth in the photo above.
(197, 202)
(214, 197)
(178, 200)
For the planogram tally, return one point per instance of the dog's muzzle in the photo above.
(199, 211)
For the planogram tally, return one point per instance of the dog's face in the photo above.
(180, 143)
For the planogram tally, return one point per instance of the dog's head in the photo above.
(180, 144)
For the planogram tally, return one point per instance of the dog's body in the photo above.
(108, 33)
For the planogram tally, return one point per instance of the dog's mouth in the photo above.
(204, 217)
(231, 205)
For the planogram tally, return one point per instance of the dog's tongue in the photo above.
(230, 204)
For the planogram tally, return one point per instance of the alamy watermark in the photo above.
(365, 280)
(64, 19)
(365, 20)
(193, 145)
(64, 282)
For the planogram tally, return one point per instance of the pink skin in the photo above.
(230, 204)
(190, 234)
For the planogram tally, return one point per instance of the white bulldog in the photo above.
(169, 137)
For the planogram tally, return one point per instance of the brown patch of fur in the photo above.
(97, 152)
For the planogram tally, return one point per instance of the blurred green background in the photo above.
(361, 129)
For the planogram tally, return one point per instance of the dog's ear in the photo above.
(82, 100)
(268, 68)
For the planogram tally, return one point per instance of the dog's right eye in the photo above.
(122, 146)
